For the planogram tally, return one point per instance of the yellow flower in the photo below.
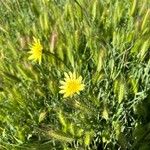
(71, 85)
(36, 51)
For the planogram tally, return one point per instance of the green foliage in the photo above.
(107, 43)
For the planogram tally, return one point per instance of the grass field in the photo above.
(74, 75)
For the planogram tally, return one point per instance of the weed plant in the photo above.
(105, 42)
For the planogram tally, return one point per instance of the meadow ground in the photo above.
(74, 75)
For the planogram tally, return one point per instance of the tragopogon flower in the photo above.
(36, 51)
(71, 85)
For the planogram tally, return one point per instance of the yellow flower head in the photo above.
(36, 51)
(71, 85)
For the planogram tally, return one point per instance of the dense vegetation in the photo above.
(107, 43)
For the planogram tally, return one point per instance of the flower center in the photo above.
(72, 86)
(38, 51)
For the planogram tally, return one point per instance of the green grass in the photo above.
(107, 43)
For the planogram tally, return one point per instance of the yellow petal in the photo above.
(62, 91)
(40, 60)
(80, 79)
(62, 82)
(67, 79)
(62, 87)
(82, 86)
(66, 75)
(71, 74)
(78, 92)
(30, 52)
(66, 95)
(31, 57)
(74, 75)
(34, 39)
